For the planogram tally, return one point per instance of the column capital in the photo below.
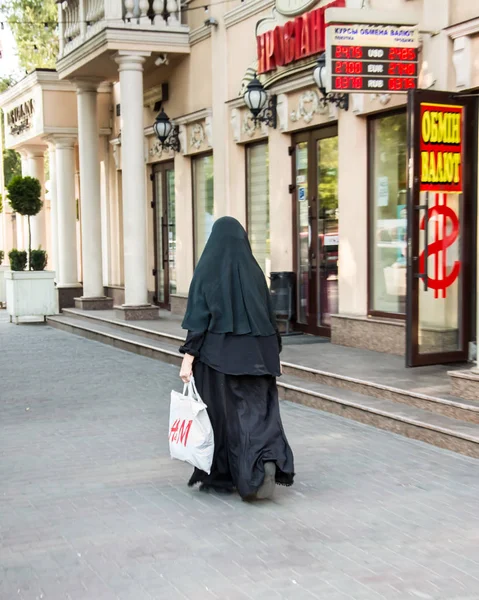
(34, 151)
(88, 84)
(130, 61)
(61, 141)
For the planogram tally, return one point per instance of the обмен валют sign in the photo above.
(372, 58)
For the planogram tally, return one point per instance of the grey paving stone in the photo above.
(92, 507)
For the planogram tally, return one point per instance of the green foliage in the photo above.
(1, 256)
(25, 195)
(38, 260)
(33, 23)
(12, 163)
(1, 203)
(25, 199)
(18, 260)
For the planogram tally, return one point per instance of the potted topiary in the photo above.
(29, 293)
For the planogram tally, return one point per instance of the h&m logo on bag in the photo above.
(180, 431)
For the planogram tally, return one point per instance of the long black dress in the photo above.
(233, 335)
(236, 378)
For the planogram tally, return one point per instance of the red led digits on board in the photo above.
(398, 83)
(402, 69)
(348, 52)
(348, 67)
(402, 54)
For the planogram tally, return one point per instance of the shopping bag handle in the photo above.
(191, 387)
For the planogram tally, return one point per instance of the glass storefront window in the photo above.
(388, 201)
(257, 189)
(203, 201)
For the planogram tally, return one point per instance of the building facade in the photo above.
(323, 194)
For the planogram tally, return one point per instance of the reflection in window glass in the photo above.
(257, 180)
(203, 201)
(388, 237)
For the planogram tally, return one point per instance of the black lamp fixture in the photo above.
(166, 132)
(261, 106)
(320, 77)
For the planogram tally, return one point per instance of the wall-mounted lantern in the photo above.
(261, 106)
(320, 76)
(167, 132)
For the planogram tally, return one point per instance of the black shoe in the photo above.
(266, 489)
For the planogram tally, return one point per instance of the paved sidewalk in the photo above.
(92, 507)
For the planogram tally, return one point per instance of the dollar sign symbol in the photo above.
(438, 248)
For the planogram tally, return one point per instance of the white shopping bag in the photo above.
(190, 434)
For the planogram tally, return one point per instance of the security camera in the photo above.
(211, 22)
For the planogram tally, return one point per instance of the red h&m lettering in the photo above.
(179, 432)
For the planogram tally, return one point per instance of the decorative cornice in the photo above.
(171, 38)
(200, 34)
(199, 115)
(246, 10)
(466, 28)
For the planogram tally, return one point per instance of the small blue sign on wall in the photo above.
(301, 194)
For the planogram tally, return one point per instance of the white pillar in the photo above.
(53, 259)
(36, 168)
(134, 177)
(88, 141)
(20, 221)
(67, 246)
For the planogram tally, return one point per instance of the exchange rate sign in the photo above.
(372, 59)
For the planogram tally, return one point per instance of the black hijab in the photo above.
(228, 293)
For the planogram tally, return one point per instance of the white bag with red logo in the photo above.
(190, 434)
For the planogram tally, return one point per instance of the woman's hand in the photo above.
(186, 370)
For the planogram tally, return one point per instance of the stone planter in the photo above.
(30, 294)
(3, 297)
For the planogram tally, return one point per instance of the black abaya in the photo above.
(244, 413)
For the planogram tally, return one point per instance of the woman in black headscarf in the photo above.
(233, 348)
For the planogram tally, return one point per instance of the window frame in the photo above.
(247, 147)
(370, 212)
(198, 156)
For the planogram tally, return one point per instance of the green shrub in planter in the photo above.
(18, 260)
(25, 199)
(1, 256)
(38, 260)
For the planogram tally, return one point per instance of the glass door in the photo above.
(439, 202)
(315, 172)
(163, 178)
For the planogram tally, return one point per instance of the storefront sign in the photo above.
(295, 40)
(372, 58)
(441, 147)
(19, 119)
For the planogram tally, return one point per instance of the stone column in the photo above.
(134, 188)
(88, 142)
(53, 259)
(36, 168)
(67, 275)
(20, 221)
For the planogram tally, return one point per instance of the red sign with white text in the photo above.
(441, 147)
(297, 39)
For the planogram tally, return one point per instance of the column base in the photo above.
(67, 294)
(146, 312)
(100, 303)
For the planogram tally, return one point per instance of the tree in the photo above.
(25, 199)
(34, 27)
(12, 163)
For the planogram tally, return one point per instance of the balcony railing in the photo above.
(82, 19)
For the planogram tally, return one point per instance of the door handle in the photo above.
(425, 275)
(164, 232)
